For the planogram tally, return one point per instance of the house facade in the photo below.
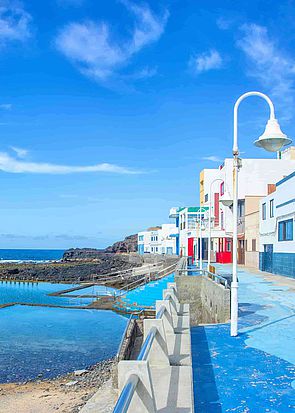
(187, 221)
(158, 240)
(277, 239)
(254, 177)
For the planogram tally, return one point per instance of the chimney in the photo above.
(271, 188)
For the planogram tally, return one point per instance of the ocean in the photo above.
(30, 255)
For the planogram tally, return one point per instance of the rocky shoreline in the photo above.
(69, 271)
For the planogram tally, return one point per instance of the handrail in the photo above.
(145, 349)
(126, 395)
(222, 280)
(128, 390)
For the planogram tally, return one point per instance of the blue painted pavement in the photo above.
(254, 372)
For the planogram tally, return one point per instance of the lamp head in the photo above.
(272, 139)
(226, 200)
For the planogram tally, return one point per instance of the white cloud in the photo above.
(20, 152)
(14, 165)
(90, 46)
(14, 22)
(268, 63)
(206, 61)
(5, 106)
(212, 158)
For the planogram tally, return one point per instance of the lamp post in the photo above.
(201, 211)
(272, 140)
(209, 225)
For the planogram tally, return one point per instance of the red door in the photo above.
(190, 247)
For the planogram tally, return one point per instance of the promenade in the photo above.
(254, 372)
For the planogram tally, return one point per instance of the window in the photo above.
(221, 220)
(271, 214)
(191, 221)
(241, 208)
(286, 230)
(140, 238)
(222, 188)
(253, 244)
(206, 197)
(264, 211)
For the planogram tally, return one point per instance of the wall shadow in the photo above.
(206, 398)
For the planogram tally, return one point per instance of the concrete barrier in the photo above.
(161, 378)
(209, 301)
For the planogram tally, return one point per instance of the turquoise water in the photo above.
(53, 341)
(94, 290)
(36, 293)
(148, 294)
(46, 342)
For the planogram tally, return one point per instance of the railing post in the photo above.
(167, 316)
(158, 354)
(143, 400)
(174, 303)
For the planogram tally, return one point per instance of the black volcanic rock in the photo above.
(129, 244)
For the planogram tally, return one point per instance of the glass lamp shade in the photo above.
(272, 139)
(226, 200)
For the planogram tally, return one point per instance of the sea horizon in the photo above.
(30, 254)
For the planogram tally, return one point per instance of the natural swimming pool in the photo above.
(52, 341)
(45, 342)
(36, 293)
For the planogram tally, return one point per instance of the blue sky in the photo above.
(109, 110)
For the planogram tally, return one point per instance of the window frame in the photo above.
(285, 234)
(271, 208)
(264, 211)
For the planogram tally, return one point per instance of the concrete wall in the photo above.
(215, 300)
(209, 301)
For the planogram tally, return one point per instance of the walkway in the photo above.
(254, 372)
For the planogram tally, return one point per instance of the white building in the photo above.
(277, 241)
(158, 240)
(187, 222)
(254, 176)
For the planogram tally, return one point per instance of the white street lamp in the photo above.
(201, 211)
(272, 140)
(209, 225)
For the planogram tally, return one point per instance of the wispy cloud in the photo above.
(268, 63)
(66, 237)
(5, 106)
(206, 61)
(15, 165)
(90, 46)
(212, 158)
(224, 23)
(20, 152)
(15, 22)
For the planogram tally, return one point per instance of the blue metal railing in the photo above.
(126, 395)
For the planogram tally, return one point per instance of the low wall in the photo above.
(209, 301)
(215, 300)
(252, 259)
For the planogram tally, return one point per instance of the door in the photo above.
(241, 251)
(267, 258)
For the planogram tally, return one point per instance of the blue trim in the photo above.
(286, 203)
(285, 179)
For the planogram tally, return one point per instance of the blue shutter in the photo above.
(289, 230)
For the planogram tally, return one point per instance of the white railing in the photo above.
(132, 373)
